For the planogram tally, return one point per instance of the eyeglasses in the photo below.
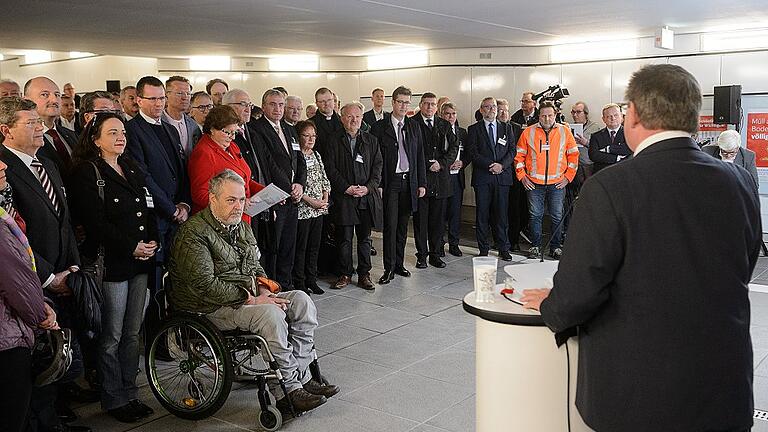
(576, 112)
(729, 153)
(204, 107)
(402, 102)
(231, 133)
(181, 94)
(95, 111)
(243, 104)
(155, 99)
(33, 123)
(309, 136)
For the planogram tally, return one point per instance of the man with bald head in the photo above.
(59, 141)
(9, 88)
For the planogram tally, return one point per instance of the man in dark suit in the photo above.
(377, 112)
(69, 118)
(608, 145)
(728, 149)
(403, 179)
(440, 150)
(353, 166)
(491, 145)
(58, 141)
(40, 199)
(179, 93)
(664, 335)
(528, 114)
(326, 120)
(456, 179)
(289, 173)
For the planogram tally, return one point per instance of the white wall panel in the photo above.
(498, 82)
(706, 69)
(415, 79)
(455, 83)
(747, 69)
(622, 70)
(346, 85)
(590, 83)
(373, 79)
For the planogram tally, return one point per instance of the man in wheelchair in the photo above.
(214, 270)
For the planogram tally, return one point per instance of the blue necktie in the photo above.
(492, 138)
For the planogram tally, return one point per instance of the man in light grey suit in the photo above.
(728, 149)
(178, 90)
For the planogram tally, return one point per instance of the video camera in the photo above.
(555, 94)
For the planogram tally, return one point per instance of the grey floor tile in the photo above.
(409, 396)
(760, 391)
(173, 424)
(383, 319)
(760, 426)
(426, 428)
(455, 314)
(453, 366)
(336, 336)
(465, 345)
(456, 290)
(436, 331)
(340, 416)
(458, 418)
(339, 307)
(425, 304)
(383, 294)
(351, 374)
(391, 351)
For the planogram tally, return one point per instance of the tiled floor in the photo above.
(403, 356)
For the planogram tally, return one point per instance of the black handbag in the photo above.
(95, 266)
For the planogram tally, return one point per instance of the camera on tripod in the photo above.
(554, 94)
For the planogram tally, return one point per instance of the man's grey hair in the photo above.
(502, 102)
(9, 110)
(217, 181)
(447, 105)
(293, 98)
(586, 108)
(10, 81)
(89, 99)
(268, 93)
(609, 106)
(665, 97)
(125, 89)
(352, 104)
(230, 96)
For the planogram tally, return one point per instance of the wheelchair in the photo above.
(191, 365)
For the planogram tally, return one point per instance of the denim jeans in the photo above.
(121, 315)
(554, 198)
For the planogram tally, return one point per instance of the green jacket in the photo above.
(206, 270)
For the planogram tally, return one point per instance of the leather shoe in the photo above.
(386, 277)
(373, 251)
(365, 282)
(483, 253)
(140, 408)
(455, 251)
(421, 263)
(315, 289)
(402, 271)
(505, 256)
(125, 414)
(343, 281)
(436, 262)
(317, 388)
(302, 400)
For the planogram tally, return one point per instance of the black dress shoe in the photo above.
(373, 251)
(315, 289)
(436, 262)
(302, 400)
(317, 388)
(402, 271)
(421, 263)
(125, 414)
(483, 253)
(64, 413)
(455, 251)
(140, 408)
(505, 256)
(386, 277)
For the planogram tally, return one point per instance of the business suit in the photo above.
(194, 132)
(745, 158)
(288, 168)
(400, 190)
(603, 152)
(664, 336)
(349, 214)
(517, 215)
(326, 129)
(457, 184)
(439, 145)
(492, 190)
(519, 118)
(63, 164)
(369, 117)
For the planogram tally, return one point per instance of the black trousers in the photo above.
(397, 210)
(286, 223)
(16, 382)
(308, 235)
(344, 234)
(453, 211)
(518, 212)
(263, 227)
(492, 198)
(429, 226)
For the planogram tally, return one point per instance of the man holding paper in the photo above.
(664, 334)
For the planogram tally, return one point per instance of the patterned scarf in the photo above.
(16, 231)
(6, 198)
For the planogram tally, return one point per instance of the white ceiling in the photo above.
(168, 28)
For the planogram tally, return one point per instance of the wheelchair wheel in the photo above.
(271, 419)
(188, 368)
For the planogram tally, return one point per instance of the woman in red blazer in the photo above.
(215, 152)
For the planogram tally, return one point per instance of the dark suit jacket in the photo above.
(326, 130)
(344, 170)
(166, 167)
(49, 150)
(287, 167)
(256, 153)
(745, 158)
(120, 222)
(659, 287)
(603, 153)
(50, 234)
(461, 140)
(194, 133)
(370, 118)
(440, 145)
(518, 117)
(481, 150)
(385, 134)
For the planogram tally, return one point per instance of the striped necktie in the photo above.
(45, 181)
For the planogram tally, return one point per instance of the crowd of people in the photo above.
(158, 179)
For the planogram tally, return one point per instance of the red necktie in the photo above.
(61, 148)
(613, 136)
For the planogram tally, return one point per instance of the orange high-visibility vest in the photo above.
(531, 158)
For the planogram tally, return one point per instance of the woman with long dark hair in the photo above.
(123, 224)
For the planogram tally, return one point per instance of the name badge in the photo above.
(502, 141)
(461, 147)
(310, 163)
(544, 147)
(295, 146)
(359, 159)
(149, 199)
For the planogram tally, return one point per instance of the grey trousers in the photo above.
(290, 334)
